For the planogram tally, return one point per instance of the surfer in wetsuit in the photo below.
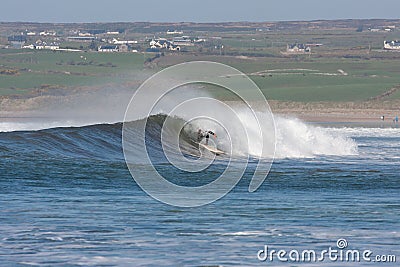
(207, 137)
(206, 134)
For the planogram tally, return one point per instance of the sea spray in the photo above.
(296, 139)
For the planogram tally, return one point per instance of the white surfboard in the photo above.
(212, 149)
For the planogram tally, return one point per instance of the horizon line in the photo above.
(202, 22)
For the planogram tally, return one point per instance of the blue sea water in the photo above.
(67, 199)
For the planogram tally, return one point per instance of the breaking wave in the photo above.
(294, 139)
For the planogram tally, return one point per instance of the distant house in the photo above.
(163, 44)
(31, 46)
(160, 43)
(52, 46)
(198, 40)
(122, 42)
(48, 33)
(81, 38)
(108, 48)
(374, 29)
(182, 41)
(169, 32)
(39, 45)
(298, 48)
(85, 34)
(391, 45)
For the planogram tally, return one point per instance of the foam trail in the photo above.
(296, 139)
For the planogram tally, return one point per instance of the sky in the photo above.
(194, 11)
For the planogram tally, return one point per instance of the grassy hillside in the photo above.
(42, 69)
(319, 77)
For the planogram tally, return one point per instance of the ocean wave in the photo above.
(294, 139)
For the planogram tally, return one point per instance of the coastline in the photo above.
(367, 113)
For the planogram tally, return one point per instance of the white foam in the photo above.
(296, 139)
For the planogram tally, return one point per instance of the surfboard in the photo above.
(211, 149)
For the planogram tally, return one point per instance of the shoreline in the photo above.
(369, 112)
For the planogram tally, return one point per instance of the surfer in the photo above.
(206, 134)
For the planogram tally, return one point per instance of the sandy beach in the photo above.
(370, 112)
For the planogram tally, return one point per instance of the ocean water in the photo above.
(67, 199)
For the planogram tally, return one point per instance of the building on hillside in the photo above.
(121, 42)
(174, 32)
(108, 48)
(39, 45)
(391, 45)
(160, 43)
(31, 46)
(182, 41)
(163, 44)
(48, 33)
(374, 29)
(81, 38)
(84, 34)
(298, 48)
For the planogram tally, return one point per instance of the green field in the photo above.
(319, 77)
(38, 69)
(315, 80)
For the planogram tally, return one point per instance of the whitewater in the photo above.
(294, 138)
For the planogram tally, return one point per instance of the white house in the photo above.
(47, 33)
(182, 41)
(298, 48)
(391, 45)
(85, 34)
(108, 48)
(52, 46)
(174, 32)
(42, 45)
(31, 46)
(160, 43)
(123, 42)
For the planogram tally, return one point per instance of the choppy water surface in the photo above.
(67, 199)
